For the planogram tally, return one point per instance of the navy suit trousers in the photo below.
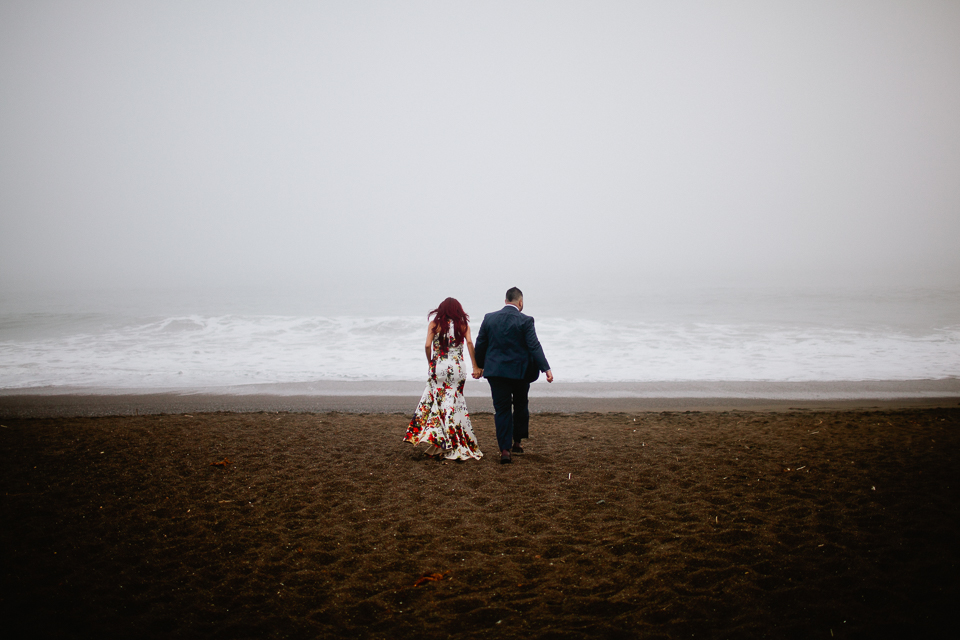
(511, 413)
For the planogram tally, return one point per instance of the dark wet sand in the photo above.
(791, 524)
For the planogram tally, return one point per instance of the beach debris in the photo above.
(803, 467)
(429, 577)
(223, 501)
(4, 426)
(222, 463)
(873, 488)
(569, 475)
(601, 502)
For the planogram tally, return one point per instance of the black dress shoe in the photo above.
(516, 448)
(505, 457)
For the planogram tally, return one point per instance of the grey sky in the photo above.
(536, 143)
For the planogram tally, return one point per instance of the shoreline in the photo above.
(55, 402)
(755, 389)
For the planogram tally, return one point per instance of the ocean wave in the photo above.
(195, 351)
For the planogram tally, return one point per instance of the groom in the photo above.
(510, 357)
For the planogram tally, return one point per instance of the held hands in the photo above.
(478, 373)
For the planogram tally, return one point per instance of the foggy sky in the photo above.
(405, 145)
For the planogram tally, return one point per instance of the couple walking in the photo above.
(507, 354)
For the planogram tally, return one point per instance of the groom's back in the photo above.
(503, 341)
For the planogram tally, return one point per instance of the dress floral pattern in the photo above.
(441, 420)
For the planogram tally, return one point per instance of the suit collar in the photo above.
(509, 308)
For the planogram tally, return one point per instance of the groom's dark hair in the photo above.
(514, 294)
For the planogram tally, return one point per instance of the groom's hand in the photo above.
(549, 375)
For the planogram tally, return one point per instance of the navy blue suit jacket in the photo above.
(507, 344)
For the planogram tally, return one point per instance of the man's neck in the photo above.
(513, 304)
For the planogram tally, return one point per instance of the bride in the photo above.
(441, 420)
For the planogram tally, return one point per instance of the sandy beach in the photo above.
(794, 523)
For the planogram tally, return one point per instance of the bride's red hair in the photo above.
(450, 311)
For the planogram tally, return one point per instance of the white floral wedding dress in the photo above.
(441, 420)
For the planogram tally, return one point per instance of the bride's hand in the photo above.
(477, 374)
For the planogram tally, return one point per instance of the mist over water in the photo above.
(423, 149)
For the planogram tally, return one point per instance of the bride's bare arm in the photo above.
(477, 372)
(431, 330)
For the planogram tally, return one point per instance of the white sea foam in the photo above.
(609, 352)
(197, 351)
